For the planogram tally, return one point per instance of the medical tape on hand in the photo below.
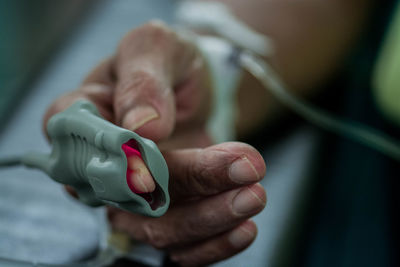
(221, 54)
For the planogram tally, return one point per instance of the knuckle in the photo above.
(138, 80)
(158, 25)
(207, 222)
(62, 103)
(195, 228)
(155, 29)
(140, 84)
(209, 174)
(197, 171)
(202, 179)
(159, 31)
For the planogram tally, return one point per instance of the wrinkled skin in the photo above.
(157, 85)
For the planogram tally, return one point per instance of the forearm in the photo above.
(311, 40)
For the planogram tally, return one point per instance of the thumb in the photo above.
(144, 99)
(145, 105)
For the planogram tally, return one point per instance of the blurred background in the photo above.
(31, 33)
(331, 202)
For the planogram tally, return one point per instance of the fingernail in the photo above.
(241, 237)
(247, 201)
(243, 171)
(141, 178)
(142, 183)
(139, 116)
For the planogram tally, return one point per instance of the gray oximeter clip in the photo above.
(87, 155)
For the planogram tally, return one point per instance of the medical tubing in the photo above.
(31, 159)
(355, 131)
(10, 161)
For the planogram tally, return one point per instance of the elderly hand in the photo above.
(157, 85)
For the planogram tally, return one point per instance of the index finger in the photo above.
(97, 88)
(202, 172)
